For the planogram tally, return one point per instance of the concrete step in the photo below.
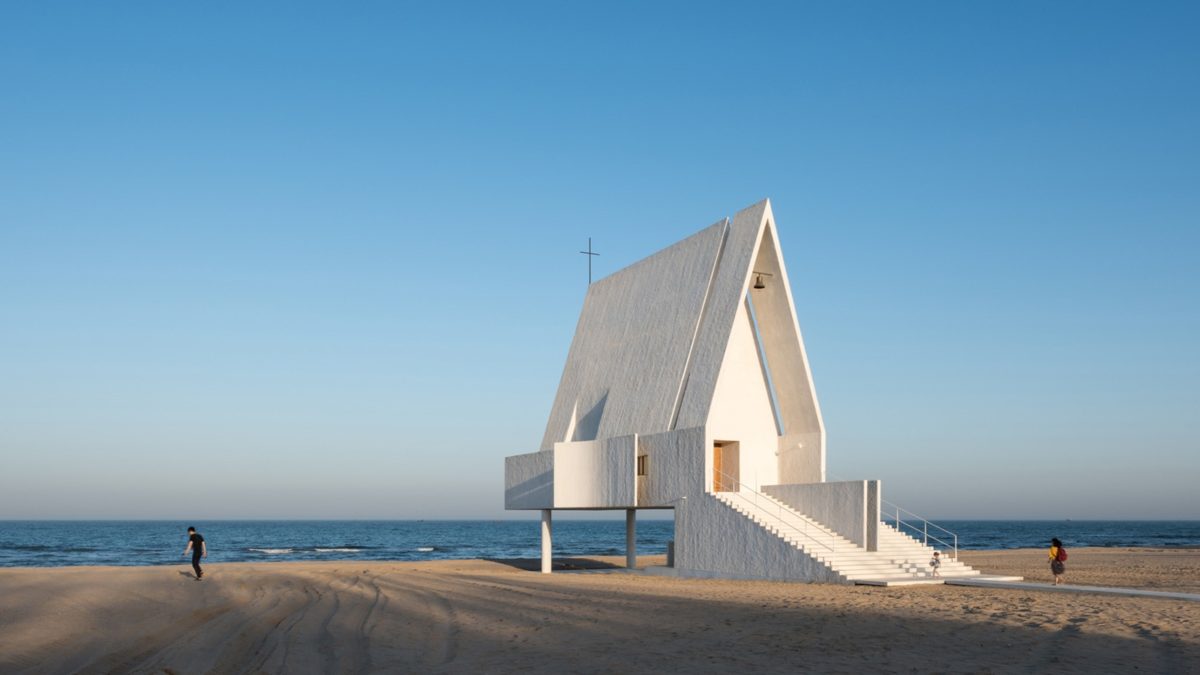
(897, 582)
(876, 579)
(900, 560)
(778, 511)
(923, 562)
(748, 508)
(869, 562)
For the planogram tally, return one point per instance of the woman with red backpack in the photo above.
(1058, 559)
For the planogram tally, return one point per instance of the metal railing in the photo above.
(773, 509)
(890, 509)
(920, 527)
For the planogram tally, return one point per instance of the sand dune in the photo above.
(481, 616)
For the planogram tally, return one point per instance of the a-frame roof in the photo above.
(651, 338)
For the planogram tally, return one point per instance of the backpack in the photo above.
(1061, 556)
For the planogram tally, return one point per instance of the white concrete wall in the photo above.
(802, 447)
(529, 481)
(595, 474)
(802, 458)
(620, 471)
(874, 505)
(842, 507)
(676, 466)
(752, 244)
(741, 409)
(710, 536)
(632, 344)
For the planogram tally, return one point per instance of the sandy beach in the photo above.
(489, 616)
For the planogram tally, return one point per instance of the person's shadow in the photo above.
(187, 574)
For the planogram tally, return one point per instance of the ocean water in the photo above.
(59, 543)
(1000, 534)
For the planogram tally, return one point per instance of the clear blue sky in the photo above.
(297, 260)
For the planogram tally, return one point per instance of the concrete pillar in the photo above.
(874, 513)
(546, 541)
(631, 538)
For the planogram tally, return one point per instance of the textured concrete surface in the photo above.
(676, 465)
(802, 446)
(631, 345)
(595, 474)
(710, 536)
(874, 505)
(841, 506)
(529, 481)
(729, 286)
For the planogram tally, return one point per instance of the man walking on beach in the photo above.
(198, 548)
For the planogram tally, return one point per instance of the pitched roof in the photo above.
(651, 338)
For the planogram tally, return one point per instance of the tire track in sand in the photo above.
(261, 632)
(413, 627)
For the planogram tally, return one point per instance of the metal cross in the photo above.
(590, 255)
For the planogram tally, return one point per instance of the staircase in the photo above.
(900, 560)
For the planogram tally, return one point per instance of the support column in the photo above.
(874, 513)
(631, 538)
(546, 541)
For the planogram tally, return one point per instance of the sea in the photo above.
(139, 542)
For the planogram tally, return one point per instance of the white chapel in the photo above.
(687, 387)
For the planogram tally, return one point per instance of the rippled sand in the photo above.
(482, 616)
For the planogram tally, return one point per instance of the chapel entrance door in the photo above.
(725, 466)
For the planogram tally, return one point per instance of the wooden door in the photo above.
(718, 473)
(726, 456)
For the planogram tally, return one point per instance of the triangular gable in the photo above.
(652, 338)
(752, 245)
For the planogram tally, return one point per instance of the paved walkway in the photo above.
(1069, 588)
(931, 581)
(984, 581)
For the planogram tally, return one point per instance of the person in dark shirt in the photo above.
(198, 548)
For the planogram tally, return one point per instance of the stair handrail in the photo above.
(924, 530)
(778, 507)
